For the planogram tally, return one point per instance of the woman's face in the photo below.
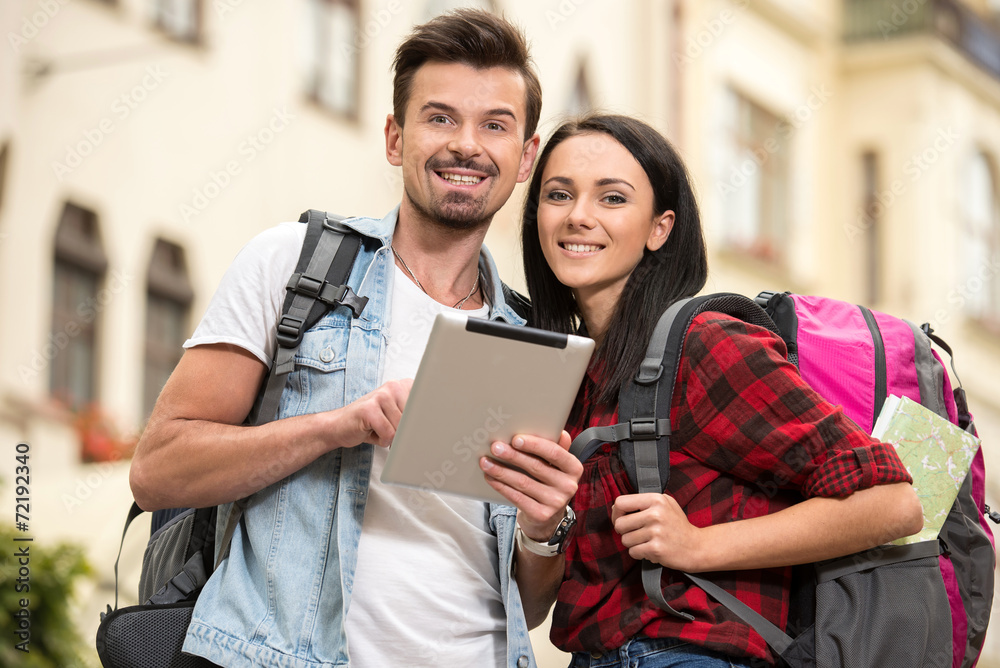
(595, 215)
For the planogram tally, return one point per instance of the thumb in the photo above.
(564, 440)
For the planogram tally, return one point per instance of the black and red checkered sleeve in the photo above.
(750, 413)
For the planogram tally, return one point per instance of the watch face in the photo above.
(567, 523)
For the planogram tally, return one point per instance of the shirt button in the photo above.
(326, 354)
(522, 662)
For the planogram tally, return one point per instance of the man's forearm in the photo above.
(198, 463)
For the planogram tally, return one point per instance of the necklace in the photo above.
(417, 280)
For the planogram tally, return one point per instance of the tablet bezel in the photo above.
(480, 381)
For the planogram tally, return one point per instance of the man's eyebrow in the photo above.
(502, 111)
(438, 106)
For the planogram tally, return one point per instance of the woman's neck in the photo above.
(596, 309)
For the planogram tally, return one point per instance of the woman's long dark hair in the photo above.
(678, 269)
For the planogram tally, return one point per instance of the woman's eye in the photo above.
(557, 195)
(615, 199)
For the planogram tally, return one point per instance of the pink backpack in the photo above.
(899, 606)
(855, 357)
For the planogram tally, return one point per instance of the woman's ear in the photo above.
(662, 225)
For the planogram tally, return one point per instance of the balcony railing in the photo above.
(951, 20)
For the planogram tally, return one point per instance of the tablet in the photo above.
(481, 381)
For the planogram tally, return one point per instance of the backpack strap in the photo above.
(318, 284)
(961, 403)
(518, 303)
(644, 408)
(777, 639)
(133, 513)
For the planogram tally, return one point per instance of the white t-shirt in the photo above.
(426, 587)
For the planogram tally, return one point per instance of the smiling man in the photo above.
(329, 567)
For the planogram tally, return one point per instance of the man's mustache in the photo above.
(444, 165)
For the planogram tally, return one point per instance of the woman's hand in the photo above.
(653, 527)
(539, 477)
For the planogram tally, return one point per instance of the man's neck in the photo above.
(443, 261)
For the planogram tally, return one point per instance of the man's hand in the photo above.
(544, 485)
(374, 417)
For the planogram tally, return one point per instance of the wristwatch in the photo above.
(556, 544)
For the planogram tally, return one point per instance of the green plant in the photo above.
(47, 589)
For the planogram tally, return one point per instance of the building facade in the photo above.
(841, 147)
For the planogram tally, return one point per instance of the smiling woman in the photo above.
(611, 239)
(593, 228)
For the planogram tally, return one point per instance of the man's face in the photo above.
(462, 146)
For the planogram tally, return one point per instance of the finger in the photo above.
(565, 441)
(516, 497)
(544, 460)
(549, 489)
(630, 503)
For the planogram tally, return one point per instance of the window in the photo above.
(168, 298)
(754, 181)
(869, 223)
(4, 160)
(980, 288)
(331, 51)
(79, 269)
(580, 101)
(179, 19)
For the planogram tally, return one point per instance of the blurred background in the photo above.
(849, 148)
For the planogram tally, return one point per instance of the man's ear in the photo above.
(393, 141)
(528, 158)
(662, 225)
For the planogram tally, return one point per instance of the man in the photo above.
(329, 566)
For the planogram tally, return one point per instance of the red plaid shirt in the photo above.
(749, 438)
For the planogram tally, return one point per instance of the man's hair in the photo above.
(472, 37)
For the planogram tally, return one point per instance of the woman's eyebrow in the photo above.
(564, 180)
(614, 182)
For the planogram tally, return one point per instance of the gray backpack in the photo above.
(180, 554)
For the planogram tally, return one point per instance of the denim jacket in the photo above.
(280, 598)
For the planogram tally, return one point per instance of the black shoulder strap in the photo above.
(520, 304)
(781, 309)
(318, 284)
(644, 407)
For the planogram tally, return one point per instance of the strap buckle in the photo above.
(642, 429)
(289, 331)
(343, 295)
(304, 285)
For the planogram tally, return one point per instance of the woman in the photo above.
(611, 237)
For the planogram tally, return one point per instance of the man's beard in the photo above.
(455, 211)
